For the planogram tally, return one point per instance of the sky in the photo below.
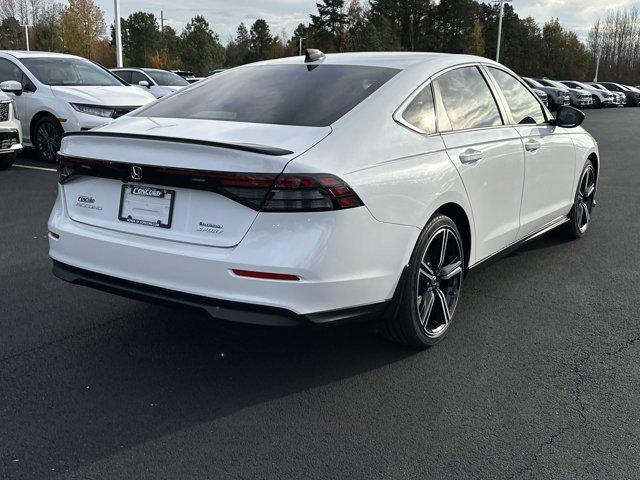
(226, 15)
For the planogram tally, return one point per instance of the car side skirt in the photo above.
(519, 243)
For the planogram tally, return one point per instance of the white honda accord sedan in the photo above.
(322, 188)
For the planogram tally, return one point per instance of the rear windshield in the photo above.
(166, 79)
(304, 95)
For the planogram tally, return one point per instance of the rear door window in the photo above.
(467, 99)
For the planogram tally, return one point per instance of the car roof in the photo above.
(36, 54)
(398, 60)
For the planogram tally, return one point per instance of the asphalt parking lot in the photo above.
(538, 378)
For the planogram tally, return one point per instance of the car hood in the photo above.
(113, 96)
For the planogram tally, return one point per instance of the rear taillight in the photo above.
(270, 192)
(308, 193)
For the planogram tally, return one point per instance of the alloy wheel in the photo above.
(48, 140)
(439, 281)
(585, 199)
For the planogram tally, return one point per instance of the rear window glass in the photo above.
(303, 95)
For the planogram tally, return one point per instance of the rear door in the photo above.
(487, 153)
(549, 155)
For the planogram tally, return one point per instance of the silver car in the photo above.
(578, 98)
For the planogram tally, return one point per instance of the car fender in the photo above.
(585, 146)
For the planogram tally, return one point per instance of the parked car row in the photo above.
(584, 94)
(56, 93)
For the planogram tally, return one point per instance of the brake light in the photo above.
(308, 193)
(270, 192)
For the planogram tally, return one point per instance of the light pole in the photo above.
(26, 33)
(116, 7)
(300, 43)
(501, 2)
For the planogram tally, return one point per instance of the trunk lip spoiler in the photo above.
(245, 147)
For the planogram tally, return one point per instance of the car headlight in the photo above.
(97, 110)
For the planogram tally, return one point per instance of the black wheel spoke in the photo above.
(444, 306)
(425, 307)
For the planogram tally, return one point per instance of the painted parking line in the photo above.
(35, 168)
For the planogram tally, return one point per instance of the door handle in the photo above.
(470, 156)
(532, 146)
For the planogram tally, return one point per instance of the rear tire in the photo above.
(580, 214)
(47, 136)
(7, 160)
(431, 287)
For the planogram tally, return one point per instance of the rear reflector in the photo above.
(53, 235)
(269, 192)
(265, 275)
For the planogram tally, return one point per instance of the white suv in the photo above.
(64, 93)
(10, 142)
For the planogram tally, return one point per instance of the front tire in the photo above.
(580, 214)
(47, 134)
(7, 160)
(597, 103)
(431, 286)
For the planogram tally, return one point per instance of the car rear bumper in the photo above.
(344, 260)
(219, 309)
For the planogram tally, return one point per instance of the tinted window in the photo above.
(524, 107)
(467, 100)
(533, 83)
(138, 77)
(69, 72)
(124, 75)
(10, 71)
(167, 79)
(421, 112)
(304, 95)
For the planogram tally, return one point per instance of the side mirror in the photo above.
(144, 83)
(568, 117)
(11, 86)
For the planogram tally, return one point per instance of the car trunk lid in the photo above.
(139, 180)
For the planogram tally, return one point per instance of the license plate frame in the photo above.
(152, 194)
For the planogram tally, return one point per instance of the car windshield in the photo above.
(69, 72)
(166, 79)
(583, 85)
(555, 84)
(303, 95)
(533, 83)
